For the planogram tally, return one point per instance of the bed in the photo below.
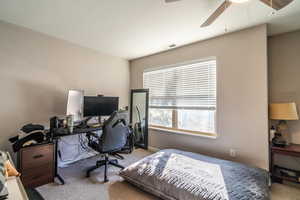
(173, 174)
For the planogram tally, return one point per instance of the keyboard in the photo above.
(85, 130)
(76, 130)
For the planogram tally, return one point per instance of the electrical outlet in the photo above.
(232, 152)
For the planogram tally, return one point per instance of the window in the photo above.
(183, 97)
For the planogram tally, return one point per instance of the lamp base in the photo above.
(278, 140)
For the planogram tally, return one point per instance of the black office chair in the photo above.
(115, 138)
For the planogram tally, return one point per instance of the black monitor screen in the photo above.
(100, 106)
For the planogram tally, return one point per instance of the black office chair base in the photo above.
(118, 156)
(104, 162)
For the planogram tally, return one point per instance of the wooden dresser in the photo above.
(37, 164)
(292, 150)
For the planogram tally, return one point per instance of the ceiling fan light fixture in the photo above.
(238, 1)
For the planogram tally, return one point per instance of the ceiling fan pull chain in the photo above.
(226, 30)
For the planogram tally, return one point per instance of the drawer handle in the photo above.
(38, 156)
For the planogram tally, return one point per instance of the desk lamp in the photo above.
(282, 112)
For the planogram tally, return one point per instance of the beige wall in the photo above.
(242, 95)
(284, 69)
(36, 72)
(284, 81)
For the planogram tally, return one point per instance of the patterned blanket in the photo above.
(178, 175)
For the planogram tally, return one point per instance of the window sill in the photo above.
(184, 133)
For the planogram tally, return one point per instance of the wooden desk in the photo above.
(62, 132)
(290, 150)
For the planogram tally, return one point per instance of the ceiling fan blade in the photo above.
(217, 13)
(170, 1)
(276, 4)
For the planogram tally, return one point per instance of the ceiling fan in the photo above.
(275, 4)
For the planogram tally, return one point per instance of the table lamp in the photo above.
(283, 112)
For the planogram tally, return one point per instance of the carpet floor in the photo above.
(78, 187)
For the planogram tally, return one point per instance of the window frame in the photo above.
(174, 128)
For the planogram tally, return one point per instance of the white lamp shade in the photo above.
(283, 111)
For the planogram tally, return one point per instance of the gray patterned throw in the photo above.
(177, 175)
(3, 189)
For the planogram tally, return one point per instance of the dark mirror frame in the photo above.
(145, 144)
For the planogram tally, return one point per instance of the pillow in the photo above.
(3, 190)
(10, 169)
(172, 175)
(3, 159)
(6, 168)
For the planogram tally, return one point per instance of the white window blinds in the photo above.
(190, 86)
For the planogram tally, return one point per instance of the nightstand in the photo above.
(37, 164)
(290, 150)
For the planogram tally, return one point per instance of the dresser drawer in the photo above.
(46, 169)
(40, 177)
(36, 156)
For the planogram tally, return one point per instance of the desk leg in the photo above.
(62, 181)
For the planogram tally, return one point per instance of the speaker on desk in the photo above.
(53, 125)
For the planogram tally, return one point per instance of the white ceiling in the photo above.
(135, 28)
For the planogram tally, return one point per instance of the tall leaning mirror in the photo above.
(139, 116)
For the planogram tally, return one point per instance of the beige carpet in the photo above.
(78, 187)
(285, 192)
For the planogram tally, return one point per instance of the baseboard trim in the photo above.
(153, 149)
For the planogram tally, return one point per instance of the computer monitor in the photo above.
(75, 104)
(100, 105)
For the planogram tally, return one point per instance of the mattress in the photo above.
(173, 174)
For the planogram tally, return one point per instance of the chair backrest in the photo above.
(115, 132)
